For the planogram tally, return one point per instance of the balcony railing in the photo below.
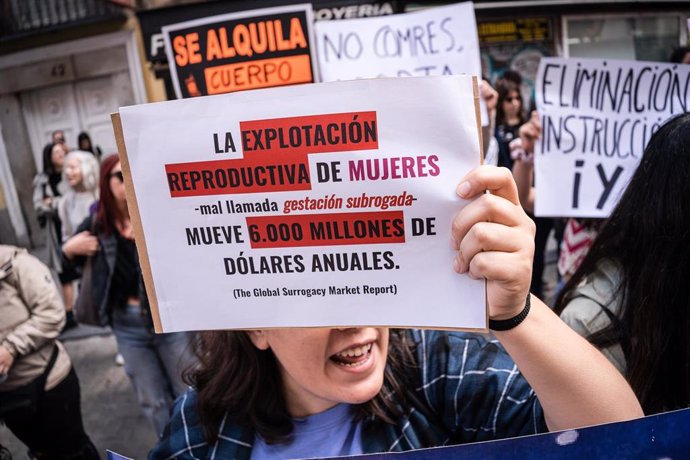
(19, 18)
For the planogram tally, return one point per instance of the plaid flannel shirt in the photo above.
(468, 387)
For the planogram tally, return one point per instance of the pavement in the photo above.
(111, 414)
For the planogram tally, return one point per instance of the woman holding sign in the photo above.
(627, 296)
(292, 393)
(153, 361)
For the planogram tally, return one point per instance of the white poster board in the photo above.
(597, 116)
(334, 209)
(434, 41)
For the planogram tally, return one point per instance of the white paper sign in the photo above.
(332, 209)
(434, 41)
(597, 117)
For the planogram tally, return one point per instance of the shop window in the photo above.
(644, 38)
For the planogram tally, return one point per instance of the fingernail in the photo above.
(463, 189)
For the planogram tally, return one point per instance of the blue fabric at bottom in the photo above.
(334, 431)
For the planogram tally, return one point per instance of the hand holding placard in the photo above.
(495, 239)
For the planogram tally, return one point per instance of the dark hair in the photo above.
(106, 215)
(504, 88)
(647, 235)
(512, 75)
(679, 53)
(48, 166)
(235, 377)
(84, 136)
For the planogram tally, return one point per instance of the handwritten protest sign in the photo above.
(597, 117)
(238, 51)
(436, 41)
(334, 209)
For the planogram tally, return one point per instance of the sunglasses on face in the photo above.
(118, 174)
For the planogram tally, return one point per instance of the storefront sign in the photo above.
(329, 11)
(517, 30)
(334, 209)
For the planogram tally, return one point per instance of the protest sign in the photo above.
(597, 116)
(435, 41)
(239, 51)
(334, 209)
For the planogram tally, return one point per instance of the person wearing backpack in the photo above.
(39, 389)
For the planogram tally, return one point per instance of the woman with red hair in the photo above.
(153, 361)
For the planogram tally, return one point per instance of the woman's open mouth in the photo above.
(353, 357)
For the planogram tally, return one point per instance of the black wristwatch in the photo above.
(510, 323)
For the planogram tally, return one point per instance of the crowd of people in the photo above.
(80, 202)
(618, 315)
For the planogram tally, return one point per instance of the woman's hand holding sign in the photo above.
(495, 239)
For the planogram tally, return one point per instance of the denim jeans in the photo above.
(153, 362)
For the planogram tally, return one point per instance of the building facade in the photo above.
(68, 64)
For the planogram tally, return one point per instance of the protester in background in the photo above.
(39, 391)
(509, 118)
(80, 173)
(48, 188)
(295, 393)
(681, 55)
(84, 143)
(578, 234)
(578, 237)
(153, 361)
(58, 136)
(522, 153)
(628, 297)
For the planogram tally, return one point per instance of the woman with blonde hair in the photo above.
(80, 173)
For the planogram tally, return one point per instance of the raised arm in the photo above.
(576, 385)
(523, 167)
